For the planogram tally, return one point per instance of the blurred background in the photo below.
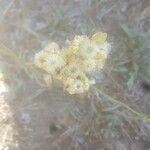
(35, 117)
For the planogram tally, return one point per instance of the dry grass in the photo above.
(50, 118)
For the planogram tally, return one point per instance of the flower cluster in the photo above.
(73, 64)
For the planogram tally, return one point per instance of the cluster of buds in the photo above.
(73, 64)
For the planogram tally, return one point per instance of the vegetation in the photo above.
(112, 113)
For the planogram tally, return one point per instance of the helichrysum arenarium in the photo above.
(73, 64)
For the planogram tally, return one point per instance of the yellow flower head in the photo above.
(100, 59)
(53, 63)
(71, 65)
(51, 47)
(105, 47)
(89, 65)
(40, 58)
(48, 80)
(87, 49)
(99, 37)
(74, 44)
(66, 53)
(69, 71)
(76, 86)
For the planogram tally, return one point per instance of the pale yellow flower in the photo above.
(59, 74)
(99, 37)
(48, 80)
(76, 86)
(100, 55)
(81, 57)
(40, 58)
(100, 61)
(90, 65)
(51, 47)
(70, 70)
(67, 53)
(95, 63)
(78, 39)
(53, 63)
(72, 46)
(87, 49)
(105, 47)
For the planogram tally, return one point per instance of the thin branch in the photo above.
(140, 116)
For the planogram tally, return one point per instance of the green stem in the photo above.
(5, 51)
(139, 115)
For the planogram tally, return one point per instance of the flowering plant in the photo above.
(73, 64)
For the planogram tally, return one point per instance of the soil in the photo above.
(42, 118)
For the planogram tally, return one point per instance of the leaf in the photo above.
(133, 76)
(121, 69)
(129, 33)
(131, 81)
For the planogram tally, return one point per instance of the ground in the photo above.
(35, 117)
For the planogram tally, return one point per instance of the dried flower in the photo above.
(40, 58)
(73, 63)
(53, 63)
(76, 86)
(75, 43)
(99, 37)
(52, 47)
(48, 80)
(87, 49)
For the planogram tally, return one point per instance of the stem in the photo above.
(5, 51)
(139, 115)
